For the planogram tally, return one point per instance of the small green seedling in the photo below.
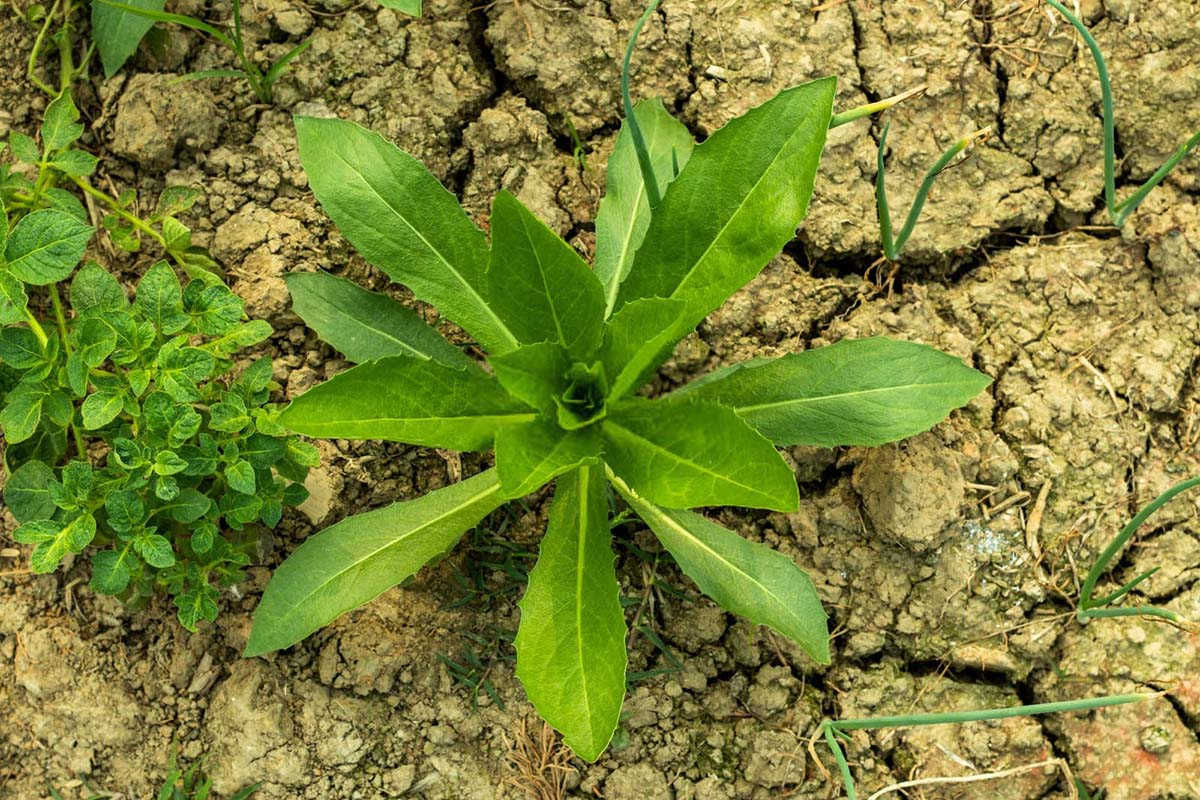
(178, 784)
(1091, 607)
(1119, 212)
(193, 784)
(261, 81)
(568, 346)
(833, 730)
(118, 27)
(893, 245)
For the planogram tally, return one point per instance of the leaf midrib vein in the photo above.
(841, 395)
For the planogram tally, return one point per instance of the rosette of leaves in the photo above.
(190, 458)
(568, 347)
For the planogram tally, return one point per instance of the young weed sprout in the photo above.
(1119, 212)
(123, 40)
(569, 345)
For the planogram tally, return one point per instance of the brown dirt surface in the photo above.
(943, 594)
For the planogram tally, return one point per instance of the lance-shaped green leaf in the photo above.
(117, 33)
(681, 454)
(530, 455)
(359, 558)
(405, 399)
(539, 285)
(624, 212)
(747, 578)
(44, 247)
(638, 339)
(735, 204)
(366, 326)
(571, 641)
(533, 373)
(855, 392)
(402, 220)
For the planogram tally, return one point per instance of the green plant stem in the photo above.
(840, 758)
(35, 53)
(892, 247)
(1088, 607)
(1110, 181)
(1129, 611)
(635, 130)
(115, 206)
(60, 318)
(37, 329)
(832, 727)
(1129, 204)
(959, 717)
(1118, 212)
(873, 108)
(66, 67)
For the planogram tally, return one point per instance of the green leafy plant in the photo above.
(118, 28)
(180, 784)
(192, 459)
(193, 784)
(50, 175)
(1119, 212)
(682, 227)
(191, 456)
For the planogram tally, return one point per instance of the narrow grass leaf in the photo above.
(683, 454)
(406, 399)
(402, 220)
(571, 654)
(366, 326)
(356, 560)
(744, 577)
(856, 392)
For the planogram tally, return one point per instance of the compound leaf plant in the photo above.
(568, 347)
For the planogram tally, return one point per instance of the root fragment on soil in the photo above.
(985, 776)
(540, 763)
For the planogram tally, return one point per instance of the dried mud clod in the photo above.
(943, 594)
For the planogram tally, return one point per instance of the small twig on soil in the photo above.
(1008, 502)
(1033, 526)
(1100, 376)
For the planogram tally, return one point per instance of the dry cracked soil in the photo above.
(949, 561)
